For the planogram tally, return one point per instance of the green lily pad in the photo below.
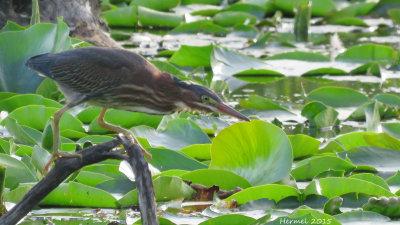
(258, 73)
(159, 5)
(300, 55)
(388, 99)
(315, 215)
(338, 96)
(149, 17)
(258, 151)
(198, 151)
(17, 101)
(165, 159)
(319, 7)
(253, 9)
(229, 219)
(395, 179)
(350, 21)
(369, 68)
(79, 195)
(373, 156)
(274, 192)
(368, 52)
(17, 46)
(324, 71)
(92, 178)
(165, 188)
(110, 170)
(179, 133)
(307, 169)
(392, 129)
(231, 18)
(303, 145)
(204, 2)
(16, 172)
(337, 186)
(359, 8)
(320, 115)
(124, 16)
(260, 103)
(361, 216)
(226, 180)
(193, 56)
(372, 178)
(42, 115)
(201, 26)
(19, 132)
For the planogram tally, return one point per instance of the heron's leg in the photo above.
(56, 137)
(118, 129)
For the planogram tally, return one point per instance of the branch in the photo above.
(63, 168)
(144, 182)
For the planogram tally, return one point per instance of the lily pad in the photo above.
(165, 159)
(159, 5)
(179, 133)
(319, 7)
(226, 180)
(368, 52)
(14, 102)
(193, 56)
(124, 16)
(17, 46)
(229, 219)
(153, 18)
(324, 71)
(198, 151)
(201, 26)
(392, 129)
(361, 217)
(309, 168)
(337, 186)
(338, 96)
(260, 103)
(300, 55)
(303, 145)
(258, 151)
(274, 192)
(42, 115)
(231, 18)
(16, 172)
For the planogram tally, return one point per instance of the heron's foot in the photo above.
(59, 155)
(133, 141)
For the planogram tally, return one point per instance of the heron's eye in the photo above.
(205, 99)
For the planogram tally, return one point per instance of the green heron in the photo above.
(115, 78)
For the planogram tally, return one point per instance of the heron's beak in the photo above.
(228, 110)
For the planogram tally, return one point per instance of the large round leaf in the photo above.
(258, 151)
(338, 96)
(16, 171)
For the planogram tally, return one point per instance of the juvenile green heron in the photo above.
(114, 78)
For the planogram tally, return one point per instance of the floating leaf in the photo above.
(198, 151)
(368, 52)
(226, 180)
(18, 46)
(201, 26)
(324, 71)
(76, 194)
(42, 115)
(274, 192)
(320, 115)
(388, 99)
(392, 129)
(231, 18)
(124, 16)
(165, 159)
(258, 151)
(300, 55)
(319, 7)
(337, 186)
(229, 219)
(260, 103)
(152, 18)
(253, 9)
(159, 5)
(369, 68)
(165, 188)
(338, 96)
(309, 168)
(372, 178)
(361, 217)
(303, 145)
(178, 134)
(193, 56)
(17, 101)
(16, 171)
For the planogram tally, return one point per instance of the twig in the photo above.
(144, 182)
(63, 168)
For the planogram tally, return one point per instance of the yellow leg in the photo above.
(56, 137)
(118, 129)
